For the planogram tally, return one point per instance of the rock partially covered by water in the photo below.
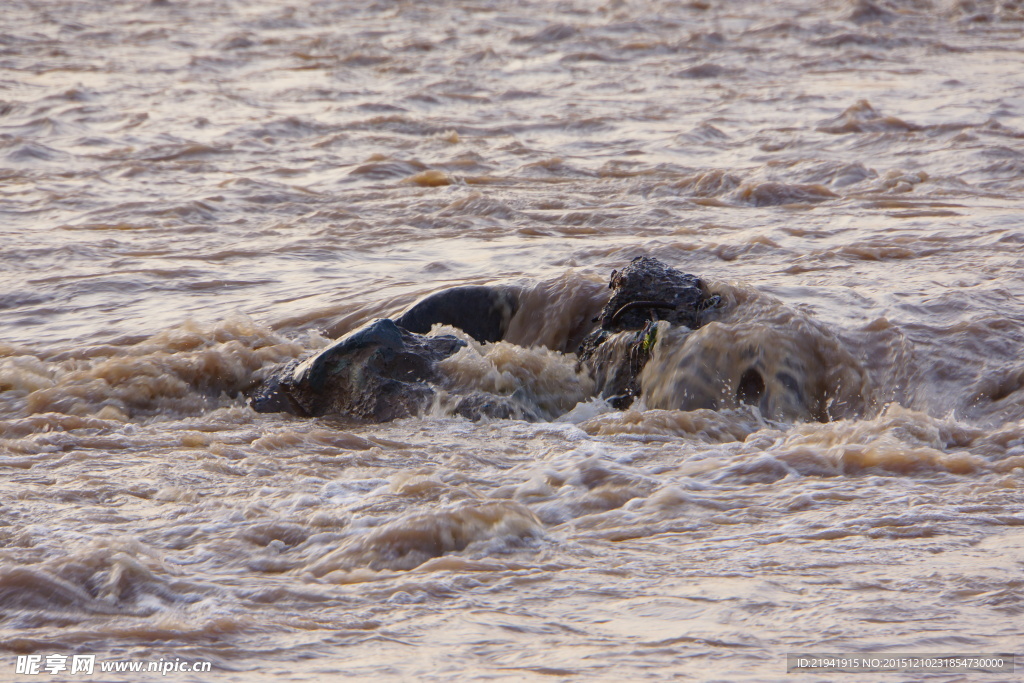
(379, 372)
(662, 338)
(644, 292)
(481, 312)
(648, 289)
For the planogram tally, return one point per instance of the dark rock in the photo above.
(645, 292)
(481, 312)
(389, 369)
(615, 360)
(379, 372)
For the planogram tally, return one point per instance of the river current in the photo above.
(194, 192)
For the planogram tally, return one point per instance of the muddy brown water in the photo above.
(193, 192)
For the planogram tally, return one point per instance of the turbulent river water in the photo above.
(194, 192)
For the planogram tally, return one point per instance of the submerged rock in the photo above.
(644, 292)
(379, 372)
(650, 341)
(389, 368)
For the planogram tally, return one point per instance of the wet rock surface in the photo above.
(481, 312)
(648, 289)
(379, 372)
(388, 368)
(644, 292)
